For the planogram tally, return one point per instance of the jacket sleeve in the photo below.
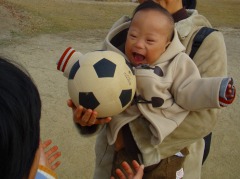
(45, 173)
(211, 60)
(88, 130)
(190, 90)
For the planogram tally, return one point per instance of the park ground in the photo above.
(36, 32)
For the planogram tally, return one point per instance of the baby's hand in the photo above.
(127, 172)
(86, 117)
(227, 92)
(230, 91)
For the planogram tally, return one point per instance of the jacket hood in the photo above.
(174, 48)
(116, 39)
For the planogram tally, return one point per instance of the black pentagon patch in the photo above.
(74, 70)
(88, 100)
(104, 68)
(125, 97)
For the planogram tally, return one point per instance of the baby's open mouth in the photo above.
(138, 57)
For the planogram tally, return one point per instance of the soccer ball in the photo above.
(99, 80)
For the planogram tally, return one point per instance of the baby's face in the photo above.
(147, 37)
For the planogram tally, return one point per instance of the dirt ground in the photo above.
(39, 54)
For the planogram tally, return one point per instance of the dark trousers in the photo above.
(166, 169)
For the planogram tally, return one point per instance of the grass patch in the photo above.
(221, 13)
(53, 16)
(48, 16)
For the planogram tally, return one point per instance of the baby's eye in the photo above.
(150, 40)
(133, 36)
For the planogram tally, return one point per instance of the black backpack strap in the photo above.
(198, 39)
(207, 141)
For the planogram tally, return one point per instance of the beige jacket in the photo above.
(180, 88)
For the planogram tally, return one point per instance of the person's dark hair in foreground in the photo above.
(20, 111)
(189, 4)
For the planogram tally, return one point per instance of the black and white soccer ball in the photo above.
(99, 80)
